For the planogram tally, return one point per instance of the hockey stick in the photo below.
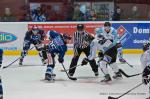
(72, 78)
(125, 92)
(15, 60)
(74, 66)
(128, 76)
(71, 68)
(128, 63)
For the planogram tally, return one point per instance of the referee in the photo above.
(82, 41)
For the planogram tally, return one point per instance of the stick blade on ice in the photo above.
(111, 97)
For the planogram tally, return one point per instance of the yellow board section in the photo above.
(70, 52)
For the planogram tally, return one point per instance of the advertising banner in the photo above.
(12, 35)
(132, 35)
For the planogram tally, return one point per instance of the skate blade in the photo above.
(48, 81)
(106, 83)
(119, 78)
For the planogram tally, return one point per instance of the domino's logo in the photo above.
(7, 37)
(124, 35)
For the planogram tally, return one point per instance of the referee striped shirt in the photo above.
(80, 39)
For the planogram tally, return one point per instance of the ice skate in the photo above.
(50, 77)
(106, 79)
(20, 61)
(96, 74)
(117, 75)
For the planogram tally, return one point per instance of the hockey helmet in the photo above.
(80, 27)
(107, 26)
(146, 46)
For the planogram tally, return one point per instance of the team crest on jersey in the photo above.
(123, 34)
(7, 37)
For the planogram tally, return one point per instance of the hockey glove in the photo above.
(61, 60)
(119, 45)
(145, 78)
(100, 55)
(84, 61)
(101, 42)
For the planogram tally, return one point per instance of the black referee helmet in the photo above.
(80, 27)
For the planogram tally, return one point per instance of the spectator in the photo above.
(8, 17)
(78, 15)
(70, 11)
(38, 16)
(135, 13)
(92, 16)
(26, 17)
(117, 14)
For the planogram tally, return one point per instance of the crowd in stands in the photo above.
(67, 12)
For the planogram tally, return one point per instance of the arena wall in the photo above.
(132, 34)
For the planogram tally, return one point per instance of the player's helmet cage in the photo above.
(35, 29)
(80, 27)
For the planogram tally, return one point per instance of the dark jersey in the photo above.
(57, 45)
(34, 38)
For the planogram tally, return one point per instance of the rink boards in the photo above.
(132, 34)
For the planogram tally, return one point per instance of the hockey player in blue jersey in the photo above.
(1, 59)
(57, 46)
(34, 36)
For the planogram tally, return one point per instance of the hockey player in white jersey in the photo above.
(145, 62)
(105, 40)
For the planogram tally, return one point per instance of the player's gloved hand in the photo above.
(119, 45)
(101, 42)
(61, 60)
(145, 78)
(100, 55)
(84, 61)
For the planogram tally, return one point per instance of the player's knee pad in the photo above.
(26, 47)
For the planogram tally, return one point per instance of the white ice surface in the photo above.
(27, 82)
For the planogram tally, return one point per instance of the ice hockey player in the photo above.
(145, 61)
(34, 36)
(57, 46)
(105, 40)
(1, 59)
(81, 43)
